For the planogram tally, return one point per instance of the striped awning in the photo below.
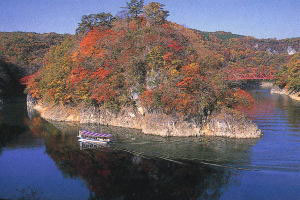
(93, 134)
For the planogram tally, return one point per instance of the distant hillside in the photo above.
(222, 35)
(26, 50)
(284, 46)
(22, 54)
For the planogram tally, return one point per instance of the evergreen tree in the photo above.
(93, 20)
(155, 13)
(135, 7)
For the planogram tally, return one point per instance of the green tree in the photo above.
(94, 20)
(135, 7)
(293, 71)
(155, 13)
(289, 75)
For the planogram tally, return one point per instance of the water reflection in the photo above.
(11, 123)
(291, 108)
(276, 109)
(8, 133)
(137, 166)
(119, 175)
(92, 145)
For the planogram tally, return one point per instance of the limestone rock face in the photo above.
(225, 123)
(284, 91)
(230, 124)
(149, 123)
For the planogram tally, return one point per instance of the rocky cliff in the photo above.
(225, 123)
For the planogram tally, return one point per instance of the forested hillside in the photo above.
(289, 75)
(26, 50)
(141, 59)
(284, 46)
(22, 54)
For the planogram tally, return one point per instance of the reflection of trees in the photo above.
(291, 108)
(11, 126)
(267, 105)
(112, 174)
(116, 174)
(8, 133)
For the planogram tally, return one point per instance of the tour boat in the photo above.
(87, 136)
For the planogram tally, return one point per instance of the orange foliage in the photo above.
(104, 93)
(88, 43)
(31, 84)
(78, 74)
(174, 45)
(184, 102)
(191, 69)
(93, 44)
(166, 26)
(147, 98)
(101, 74)
(245, 100)
(26, 79)
(167, 56)
(185, 82)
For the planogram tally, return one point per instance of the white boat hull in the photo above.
(93, 141)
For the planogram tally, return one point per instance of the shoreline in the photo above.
(276, 90)
(225, 123)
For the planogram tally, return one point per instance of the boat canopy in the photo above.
(92, 134)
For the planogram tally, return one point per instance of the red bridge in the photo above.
(259, 73)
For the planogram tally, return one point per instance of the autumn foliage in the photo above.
(27, 49)
(289, 75)
(163, 67)
(243, 99)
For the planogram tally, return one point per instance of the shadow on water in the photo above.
(11, 122)
(137, 166)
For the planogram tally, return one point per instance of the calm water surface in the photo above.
(43, 160)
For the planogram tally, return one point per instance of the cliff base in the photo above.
(225, 123)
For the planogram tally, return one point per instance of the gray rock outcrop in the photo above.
(225, 123)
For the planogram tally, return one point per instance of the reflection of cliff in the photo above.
(217, 150)
(214, 150)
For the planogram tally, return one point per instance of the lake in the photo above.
(44, 160)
